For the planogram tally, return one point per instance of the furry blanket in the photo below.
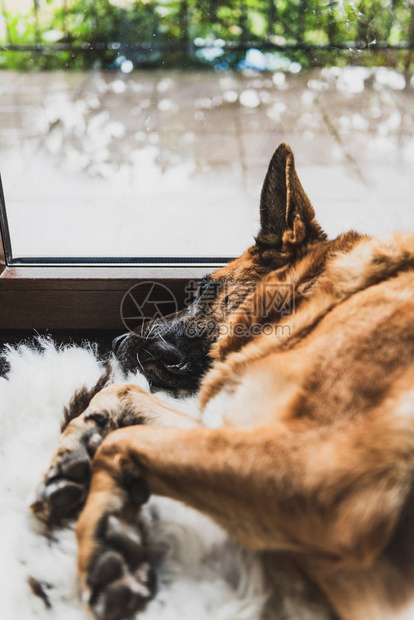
(201, 573)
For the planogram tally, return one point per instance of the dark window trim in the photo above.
(5, 246)
(161, 261)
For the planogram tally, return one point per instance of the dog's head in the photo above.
(175, 352)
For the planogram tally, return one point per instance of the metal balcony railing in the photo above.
(211, 31)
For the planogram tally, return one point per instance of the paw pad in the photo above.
(120, 578)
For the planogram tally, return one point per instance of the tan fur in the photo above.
(346, 274)
(316, 453)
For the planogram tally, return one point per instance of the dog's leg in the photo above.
(65, 485)
(326, 494)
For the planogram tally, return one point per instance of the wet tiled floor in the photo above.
(171, 164)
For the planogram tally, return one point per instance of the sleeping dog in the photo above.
(302, 352)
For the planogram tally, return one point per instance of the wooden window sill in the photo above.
(80, 297)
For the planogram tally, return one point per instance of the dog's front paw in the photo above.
(63, 491)
(119, 580)
(64, 488)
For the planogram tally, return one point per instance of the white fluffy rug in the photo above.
(200, 573)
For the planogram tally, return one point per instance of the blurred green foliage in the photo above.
(80, 34)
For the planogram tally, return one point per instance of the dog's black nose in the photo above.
(117, 342)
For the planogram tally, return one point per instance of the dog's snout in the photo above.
(164, 353)
(117, 342)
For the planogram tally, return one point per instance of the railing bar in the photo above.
(272, 16)
(331, 21)
(261, 45)
(301, 21)
(361, 22)
(4, 15)
(36, 18)
(155, 31)
(183, 21)
(408, 60)
(65, 18)
(243, 21)
(390, 21)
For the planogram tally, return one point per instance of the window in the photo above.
(135, 135)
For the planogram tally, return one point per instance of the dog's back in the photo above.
(340, 384)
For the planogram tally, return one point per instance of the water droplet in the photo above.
(249, 98)
(127, 66)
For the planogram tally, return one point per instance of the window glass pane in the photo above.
(145, 164)
(144, 128)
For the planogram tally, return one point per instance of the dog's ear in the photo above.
(287, 217)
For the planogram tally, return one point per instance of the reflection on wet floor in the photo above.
(171, 164)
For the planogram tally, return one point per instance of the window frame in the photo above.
(85, 296)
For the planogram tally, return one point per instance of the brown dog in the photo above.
(312, 446)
